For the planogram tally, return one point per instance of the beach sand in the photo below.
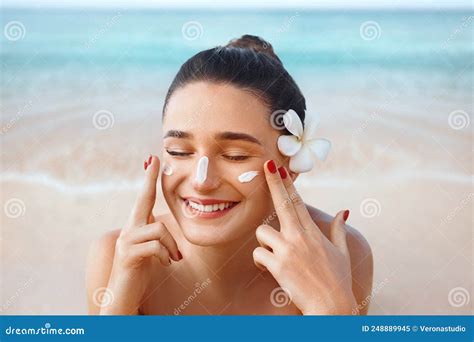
(407, 180)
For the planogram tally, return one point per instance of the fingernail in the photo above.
(271, 166)
(150, 158)
(180, 256)
(346, 215)
(145, 165)
(282, 172)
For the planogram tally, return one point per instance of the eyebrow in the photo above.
(221, 136)
(238, 136)
(177, 134)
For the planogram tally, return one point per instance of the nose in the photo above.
(205, 177)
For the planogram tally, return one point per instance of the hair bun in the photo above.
(255, 43)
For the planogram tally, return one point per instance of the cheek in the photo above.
(170, 176)
(258, 208)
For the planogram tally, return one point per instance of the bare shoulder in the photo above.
(356, 240)
(104, 246)
(99, 267)
(361, 256)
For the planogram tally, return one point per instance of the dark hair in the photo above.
(248, 63)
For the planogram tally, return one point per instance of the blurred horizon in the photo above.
(244, 4)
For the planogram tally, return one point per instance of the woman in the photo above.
(238, 238)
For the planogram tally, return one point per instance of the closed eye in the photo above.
(179, 154)
(237, 158)
(186, 154)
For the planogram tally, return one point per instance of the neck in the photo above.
(229, 266)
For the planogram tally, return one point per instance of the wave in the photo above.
(304, 180)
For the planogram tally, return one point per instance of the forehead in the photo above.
(217, 107)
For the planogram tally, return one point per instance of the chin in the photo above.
(211, 232)
(208, 235)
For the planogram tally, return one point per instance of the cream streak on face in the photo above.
(167, 170)
(247, 176)
(201, 171)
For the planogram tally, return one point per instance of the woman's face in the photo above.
(231, 127)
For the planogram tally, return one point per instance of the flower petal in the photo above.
(302, 161)
(293, 123)
(320, 147)
(288, 145)
(311, 122)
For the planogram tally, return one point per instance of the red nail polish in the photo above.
(145, 165)
(271, 166)
(180, 255)
(346, 215)
(149, 159)
(282, 172)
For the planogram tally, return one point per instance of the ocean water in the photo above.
(59, 67)
(68, 48)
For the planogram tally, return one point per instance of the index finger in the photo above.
(146, 198)
(282, 202)
(300, 207)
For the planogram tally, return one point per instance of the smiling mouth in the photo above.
(208, 208)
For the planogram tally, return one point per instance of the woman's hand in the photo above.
(315, 272)
(140, 240)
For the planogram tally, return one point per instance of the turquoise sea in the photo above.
(62, 48)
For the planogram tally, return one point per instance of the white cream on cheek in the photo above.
(167, 170)
(201, 171)
(247, 176)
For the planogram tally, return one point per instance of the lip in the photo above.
(205, 201)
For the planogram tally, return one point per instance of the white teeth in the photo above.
(209, 207)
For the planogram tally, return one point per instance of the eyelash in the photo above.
(185, 154)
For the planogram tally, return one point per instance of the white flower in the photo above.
(302, 145)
